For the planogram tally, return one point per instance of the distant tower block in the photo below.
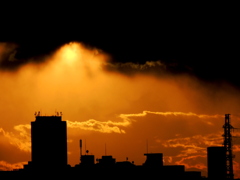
(216, 161)
(49, 142)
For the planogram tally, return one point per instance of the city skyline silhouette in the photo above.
(49, 156)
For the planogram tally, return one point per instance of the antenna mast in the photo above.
(228, 146)
(80, 149)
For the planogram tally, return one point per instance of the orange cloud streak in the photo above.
(5, 166)
(190, 162)
(103, 127)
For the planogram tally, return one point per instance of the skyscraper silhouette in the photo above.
(49, 142)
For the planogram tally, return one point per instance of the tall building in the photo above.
(216, 161)
(49, 142)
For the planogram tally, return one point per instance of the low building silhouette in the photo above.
(107, 161)
(87, 160)
(196, 175)
(153, 160)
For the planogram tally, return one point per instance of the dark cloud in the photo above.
(15, 54)
(202, 41)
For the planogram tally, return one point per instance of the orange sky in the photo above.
(179, 115)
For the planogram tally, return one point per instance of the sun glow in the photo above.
(70, 53)
(75, 57)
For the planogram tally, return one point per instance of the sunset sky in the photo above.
(123, 89)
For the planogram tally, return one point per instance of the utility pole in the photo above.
(228, 147)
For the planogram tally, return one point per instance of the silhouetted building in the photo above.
(49, 142)
(87, 160)
(173, 171)
(154, 160)
(125, 164)
(193, 175)
(107, 161)
(216, 161)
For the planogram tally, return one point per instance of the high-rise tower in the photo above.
(49, 142)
